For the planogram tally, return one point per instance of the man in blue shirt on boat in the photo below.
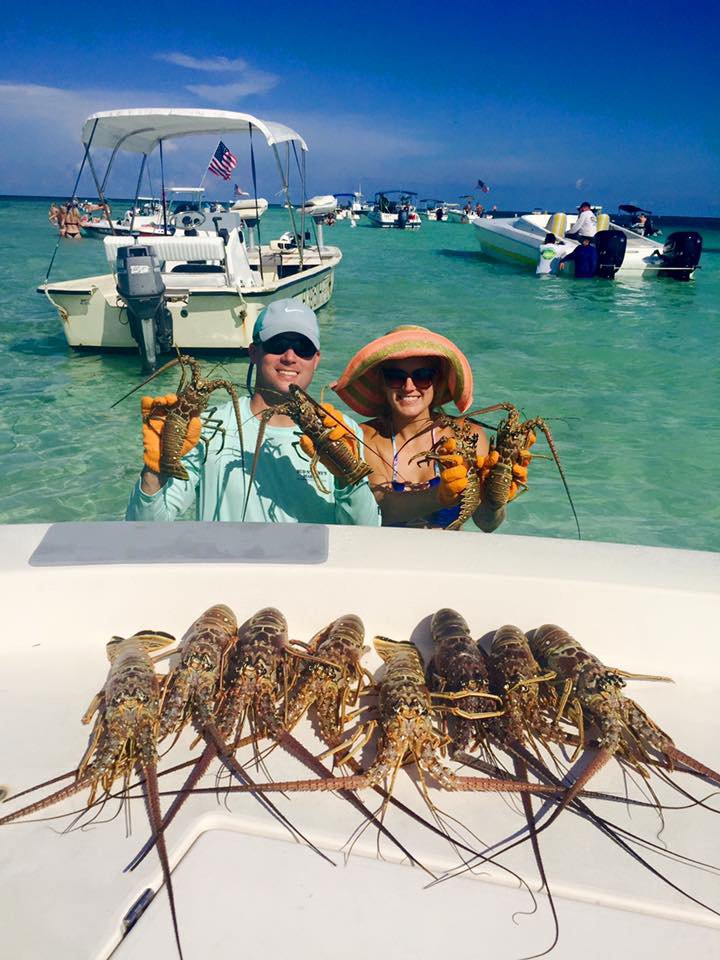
(221, 484)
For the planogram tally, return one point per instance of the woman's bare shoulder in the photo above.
(373, 430)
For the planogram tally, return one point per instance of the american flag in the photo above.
(483, 186)
(223, 162)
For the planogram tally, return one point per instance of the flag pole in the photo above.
(207, 165)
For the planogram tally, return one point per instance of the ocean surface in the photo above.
(625, 373)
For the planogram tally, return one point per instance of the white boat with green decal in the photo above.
(620, 249)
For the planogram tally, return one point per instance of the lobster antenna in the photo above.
(171, 363)
(553, 450)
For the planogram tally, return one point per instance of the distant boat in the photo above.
(435, 209)
(394, 208)
(144, 217)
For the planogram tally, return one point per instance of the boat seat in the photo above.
(603, 221)
(557, 224)
(203, 247)
(184, 279)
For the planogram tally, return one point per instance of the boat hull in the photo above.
(92, 314)
(388, 220)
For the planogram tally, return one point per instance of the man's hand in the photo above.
(154, 412)
(334, 420)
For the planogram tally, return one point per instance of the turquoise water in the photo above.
(626, 373)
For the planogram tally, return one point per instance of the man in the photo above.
(285, 350)
(585, 258)
(585, 225)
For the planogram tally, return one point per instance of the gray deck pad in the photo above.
(71, 544)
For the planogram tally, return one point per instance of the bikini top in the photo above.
(442, 517)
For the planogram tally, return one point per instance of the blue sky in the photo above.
(550, 104)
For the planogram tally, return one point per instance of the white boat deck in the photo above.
(239, 879)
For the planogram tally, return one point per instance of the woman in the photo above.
(400, 381)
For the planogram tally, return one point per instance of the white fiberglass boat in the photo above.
(204, 286)
(435, 209)
(237, 873)
(145, 217)
(394, 208)
(620, 250)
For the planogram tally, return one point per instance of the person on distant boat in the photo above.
(585, 258)
(72, 221)
(94, 207)
(285, 350)
(551, 252)
(479, 210)
(400, 381)
(402, 217)
(644, 226)
(585, 224)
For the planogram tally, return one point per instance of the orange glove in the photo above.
(338, 431)
(454, 476)
(154, 411)
(519, 469)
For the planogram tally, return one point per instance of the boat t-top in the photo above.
(621, 250)
(395, 208)
(202, 287)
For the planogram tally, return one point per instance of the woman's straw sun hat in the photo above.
(361, 385)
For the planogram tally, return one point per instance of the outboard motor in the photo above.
(682, 254)
(140, 284)
(610, 246)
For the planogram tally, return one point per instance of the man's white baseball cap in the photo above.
(286, 316)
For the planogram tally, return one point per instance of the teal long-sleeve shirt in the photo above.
(283, 488)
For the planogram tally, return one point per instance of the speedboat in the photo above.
(435, 209)
(65, 894)
(461, 213)
(394, 208)
(350, 206)
(620, 250)
(202, 287)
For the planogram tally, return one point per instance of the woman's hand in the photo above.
(519, 469)
(453, 473)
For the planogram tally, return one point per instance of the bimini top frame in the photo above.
(141, 130)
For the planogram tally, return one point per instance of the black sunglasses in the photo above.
(396, 377)
(282, 342)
